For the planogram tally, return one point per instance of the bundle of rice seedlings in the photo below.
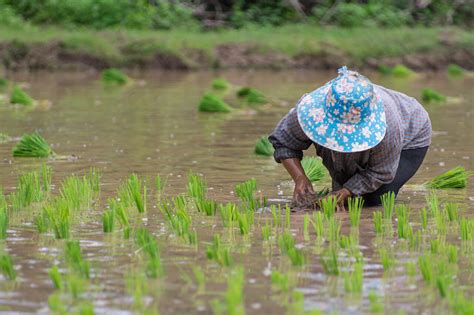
(431, 95)
(220, 84)
(252, 96)
(116, 76)
(313, 168)
(212, 103)
(32, 145)
(455, 70)
(19, 96)
(264, 147)
(454, 178)
(401, 71)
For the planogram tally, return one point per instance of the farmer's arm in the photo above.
(289, 141)
(381, 168)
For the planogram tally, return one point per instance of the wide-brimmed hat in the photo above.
(344, 115)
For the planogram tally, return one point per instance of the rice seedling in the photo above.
(280, 281)
(200, 278)
(41, 221)
(306, 227)
(159, 185)
(328, 205)
(276, 215)
(313, 168)
(56, 277)
(108, 220)
(452, 210)
(288, 247)
(376, 306)
(217, 252)
(234, 295)
(455, 70)
(245, 191)
(196, 186)
(459, 303)
(75, 259)
(388, 204)
(437, 245)
(228, 214)
(148, 245)
(403, 223)
(56, 304)
(287, 217)
(334, 229)
(6, 266)
(58, 216)
(114, 76)
(318, 224)
(46, 177)
(119, 211)
(451, 252)
(386, 259)
(77, 192)
(32, 145)
(135, 191)
(430, 95)
(251, 96)
(93, 180)
(245, 220)
(3, 222)
(441, 221)
(410, 268)
(76, 285)
(353, 280)
(454, 178)
(424, 218)
(426, 267)
(378, 222)
(212, 103)
(264, 147)
(28, 191)
(208, 207)
(220, 84)
(266, 232)
(401, 71)
(466, 227)
(433, 203)
(329, 260)
(355, 207)
(18, 96)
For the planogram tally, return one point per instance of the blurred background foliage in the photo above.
(214, 14)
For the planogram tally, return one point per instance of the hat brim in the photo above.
(337, 136)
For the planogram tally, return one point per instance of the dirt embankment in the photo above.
(15, 55)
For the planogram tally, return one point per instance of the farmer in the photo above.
(371, 139)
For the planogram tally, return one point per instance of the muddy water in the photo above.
(152, 128)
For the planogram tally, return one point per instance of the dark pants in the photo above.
(410, 162)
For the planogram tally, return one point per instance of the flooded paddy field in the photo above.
(174, 258)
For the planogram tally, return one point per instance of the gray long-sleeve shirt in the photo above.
(408, 127)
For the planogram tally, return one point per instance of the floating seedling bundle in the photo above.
(18, 96)
(454, 178)
(399, 70)
(114, 76)
(212, 103)
(32, 145)
(251, 96)
(220, 84)
(264, 147)
(455, 70)
(431, 95)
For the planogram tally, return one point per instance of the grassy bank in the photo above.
(283, 46)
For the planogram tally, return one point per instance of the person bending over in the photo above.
(371, 139)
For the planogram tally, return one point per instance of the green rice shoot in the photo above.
(18, 96)
(313, 168)
(220, 84)
(6, 266)
(430, 95)
(32, 145)
(4, 219)
(454, 178)
(401, 71)
(264, 147)
(211, 103)
(114, 76)
(252, 96)
(455, 70)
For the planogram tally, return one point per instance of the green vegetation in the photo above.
(220, 84)
(108, 220)
(245, 191)
(378, 222)
(455, 70)
(388, 203)
(32, 145)
(28, 190)
(313, 168)
(430, 95)
(330, 261)
(454, 178)
(355, 207)
(18, 96)
(401, 71)
(328, 205)
(114, 76)
(4, 84)
(3, 222)
(264, 147)
(288, 247)
(212, 103)
(56, 277)
(251, 96)
(75, 259)
(217, 252)
(196, 186)
(6, 266)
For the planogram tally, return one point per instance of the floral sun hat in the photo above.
(344, 115)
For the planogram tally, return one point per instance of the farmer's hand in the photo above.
(302, 188)
(341, 195)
